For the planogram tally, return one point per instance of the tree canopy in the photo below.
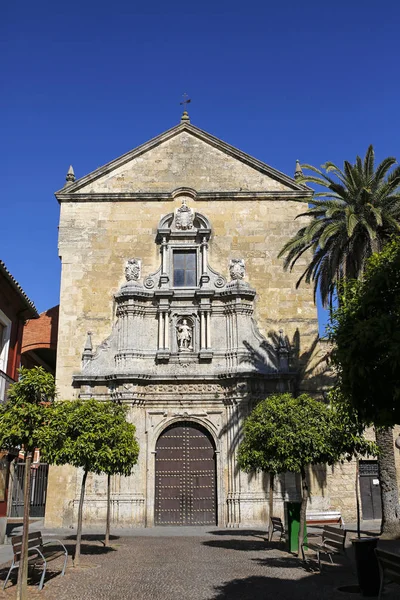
(351, 218)
(366, 334)
(27, 409)
(284, 433)
(93, 435)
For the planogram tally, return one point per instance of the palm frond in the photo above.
(369, 162)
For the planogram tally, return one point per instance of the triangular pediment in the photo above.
(188, 157)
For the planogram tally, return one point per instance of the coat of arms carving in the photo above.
(184, 216)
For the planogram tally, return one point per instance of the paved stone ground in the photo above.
(219, 565)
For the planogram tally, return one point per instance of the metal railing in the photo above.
(5, 382)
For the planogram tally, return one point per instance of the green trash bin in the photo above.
(293, 525)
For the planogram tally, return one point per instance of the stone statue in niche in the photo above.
(237, 269)
(184, 336)
(184, 216)
(132, 269)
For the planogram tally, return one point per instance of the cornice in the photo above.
(67, 196)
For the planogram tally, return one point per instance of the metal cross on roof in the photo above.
(186, 101)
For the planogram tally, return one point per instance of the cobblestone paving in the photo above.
(219, 566)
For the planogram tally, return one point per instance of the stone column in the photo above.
(164, 256)
(202, 331)
(204, 247)
(208, 329)
(166, 330)
(160, 330)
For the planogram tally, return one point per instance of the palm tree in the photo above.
(352, 218)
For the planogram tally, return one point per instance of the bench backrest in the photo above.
(321, 518)
(277, 523)
(34, 539)
(389, 563)
(334, 537)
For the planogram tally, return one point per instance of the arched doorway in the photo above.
(185, 491)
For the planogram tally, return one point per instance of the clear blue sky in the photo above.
(84, 82)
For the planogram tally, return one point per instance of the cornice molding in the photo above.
(67, 196)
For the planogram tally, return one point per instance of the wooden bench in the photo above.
(38, 551)
(389, 568)
(333, 541)
(324, 518)
(276, 525)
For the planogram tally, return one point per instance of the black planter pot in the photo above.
(367, 565)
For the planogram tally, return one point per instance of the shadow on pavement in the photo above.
(235, 544)
(88, 549)
(260, 588)
(34, 575)
(92, 537)
(240, 532)
(284, 562)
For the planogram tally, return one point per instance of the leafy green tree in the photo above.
(350, 219)
(365, 331)
(22, 420)
(284, 433)
(94, 436)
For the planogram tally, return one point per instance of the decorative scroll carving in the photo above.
(133, 269)
(237, 269)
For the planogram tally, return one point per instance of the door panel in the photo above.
(185, 477)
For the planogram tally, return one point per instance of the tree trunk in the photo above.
(303, 508)
(107, 540)
(271, 502)
(389, 492)
(77, 558)
(22, 585)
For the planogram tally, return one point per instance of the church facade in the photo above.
(174, 303)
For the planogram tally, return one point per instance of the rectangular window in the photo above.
(185, 268)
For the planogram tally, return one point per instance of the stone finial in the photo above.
(185, 117)
(87, 354)
(70, 178)
(283, 352)
(298, 171)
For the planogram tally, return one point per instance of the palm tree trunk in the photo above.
(22, 585)
(388, 480)
(107, 539)
(271, 502)
(303, 509)
(77, 558)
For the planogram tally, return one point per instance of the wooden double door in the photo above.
(185, 490)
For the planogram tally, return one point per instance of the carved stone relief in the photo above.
(184, 216)
(133, 269)
(237, 269)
